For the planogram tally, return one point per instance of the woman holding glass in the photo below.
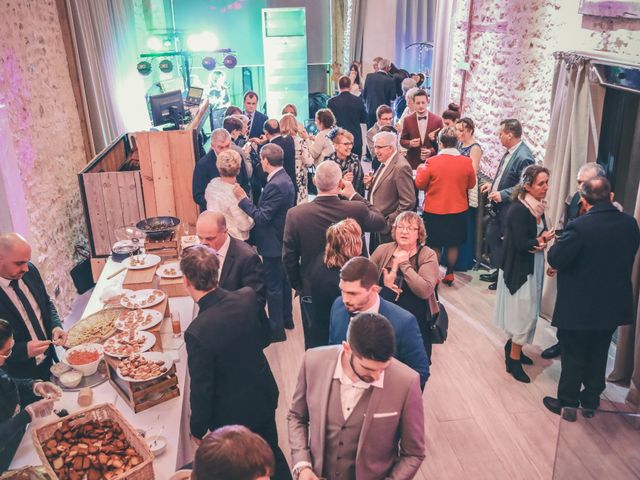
(349, 162)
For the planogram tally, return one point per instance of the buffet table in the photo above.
(169, 419)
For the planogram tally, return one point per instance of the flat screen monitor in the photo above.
(167, 108)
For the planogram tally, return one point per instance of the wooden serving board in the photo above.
(173, 287)
(140, 279)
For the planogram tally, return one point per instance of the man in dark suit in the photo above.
(349, 112)
(379, 89)
(416, 129)
(288, 146)
(306, 226)
(517, 157)
(26, 305)
(359, 287)
(231, 382)
(206, 169)
(594, 258)
(240, 265)
(256, 118)
(269, 217)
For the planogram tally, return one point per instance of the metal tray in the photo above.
(94, 380)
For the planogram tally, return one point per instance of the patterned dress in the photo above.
(351, 164)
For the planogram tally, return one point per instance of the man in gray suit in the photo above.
(391, 189)
(356, 412)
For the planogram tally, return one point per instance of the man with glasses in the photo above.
(384, 114)
(391, 189)
(357, 412)
(350, 112)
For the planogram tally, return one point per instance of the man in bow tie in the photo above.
(416, 129)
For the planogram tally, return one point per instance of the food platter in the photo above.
(125, 344)
(141, 262)
(169, 270)
(142, 298)
(144, 367)
(93, 329)
(138, 319)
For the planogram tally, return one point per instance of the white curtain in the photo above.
(577, 101)
(442, 55)
(415, 21)
(105, 43)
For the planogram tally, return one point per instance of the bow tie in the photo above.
(422, 118)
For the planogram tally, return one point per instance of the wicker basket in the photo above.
(102, 412)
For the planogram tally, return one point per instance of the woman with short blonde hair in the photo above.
(220, 198)
(349, 162)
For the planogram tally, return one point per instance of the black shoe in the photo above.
(514, 367)
(289, 325)
(552, 352)
(489, 277)
(493, 286)
(588, 412)
(554, 406)
(523, 358)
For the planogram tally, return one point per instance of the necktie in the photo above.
(250, 117)
(375, 178)
(27, 307)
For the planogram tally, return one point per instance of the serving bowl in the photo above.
(88, 368)
(71, 379)
(158, 228)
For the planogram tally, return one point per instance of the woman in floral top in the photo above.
(349, 162)
(290, 126)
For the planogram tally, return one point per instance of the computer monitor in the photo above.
(167, 108)
(194, 95)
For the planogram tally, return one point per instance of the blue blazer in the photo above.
(409, 346)
(521, 159)
(270, 213)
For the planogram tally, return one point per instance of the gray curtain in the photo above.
(104, 39)
(577, 101)
(442, 55)
(415, 22)
(359, 8)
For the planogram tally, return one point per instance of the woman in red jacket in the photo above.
(446, 178)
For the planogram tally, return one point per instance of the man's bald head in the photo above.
(15, 254)
(211, 229)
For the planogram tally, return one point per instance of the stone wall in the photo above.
(45, 130)
(511, 61)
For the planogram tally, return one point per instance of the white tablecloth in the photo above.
(169, 419)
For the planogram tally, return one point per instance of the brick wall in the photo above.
(511, 59)
(45, 130)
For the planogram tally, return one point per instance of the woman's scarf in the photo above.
(536, 207)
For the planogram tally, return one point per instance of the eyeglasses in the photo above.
(7, 354)
(407, 228)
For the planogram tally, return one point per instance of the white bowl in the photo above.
(59, 368)
(181, 475)
(71, 379)
(87, 368)
(157, 444)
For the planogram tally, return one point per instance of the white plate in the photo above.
(150, 260)
(153, 356)
(149, 341)
(162, 270)
(156, 318)
(141, 298)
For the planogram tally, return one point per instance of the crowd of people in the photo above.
(363, 258)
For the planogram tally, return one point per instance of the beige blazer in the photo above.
(391, 444)
(394, 192)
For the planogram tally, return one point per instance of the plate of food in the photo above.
(125, 344)
(142, 298)
(140, 262)
(94, 328)
(169, 270)
(138, 319)
(144, 366)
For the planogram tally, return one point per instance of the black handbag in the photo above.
(438, 324)
(81, 274)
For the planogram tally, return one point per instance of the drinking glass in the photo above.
(176, 327)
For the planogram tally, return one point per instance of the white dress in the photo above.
(220, 198)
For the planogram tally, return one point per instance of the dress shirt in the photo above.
(503, 166)
(422, 124)
(449, 151)
(4, 283)
(270, 176)
(222, 254)
(350, 391)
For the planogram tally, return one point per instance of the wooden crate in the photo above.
(173, 287)
(102, 412)
(140, 279)
(111, 198)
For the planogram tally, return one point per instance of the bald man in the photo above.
(240, 264)
(26, 305)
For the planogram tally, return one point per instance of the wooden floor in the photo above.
(479, 422)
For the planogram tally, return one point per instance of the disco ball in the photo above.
(144, 68)
(209, 63)
(230, 61)
(165, 66)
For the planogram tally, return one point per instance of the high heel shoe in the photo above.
(448, 279)
(523, 358)
(514, 367)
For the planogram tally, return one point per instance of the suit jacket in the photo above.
(379, 88)
(350, 112)
(19, 365)
(410, 130)
(391, 443)
(13, 393)
(242, 267)
(521, 159)
(231, 382)
(257, 124)
(205, 171)
(288, 146)
(393, 191)
(594, 257)
(306, 228)
(270, 213)
(409, 347)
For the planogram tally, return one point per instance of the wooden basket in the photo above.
(102, 412)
